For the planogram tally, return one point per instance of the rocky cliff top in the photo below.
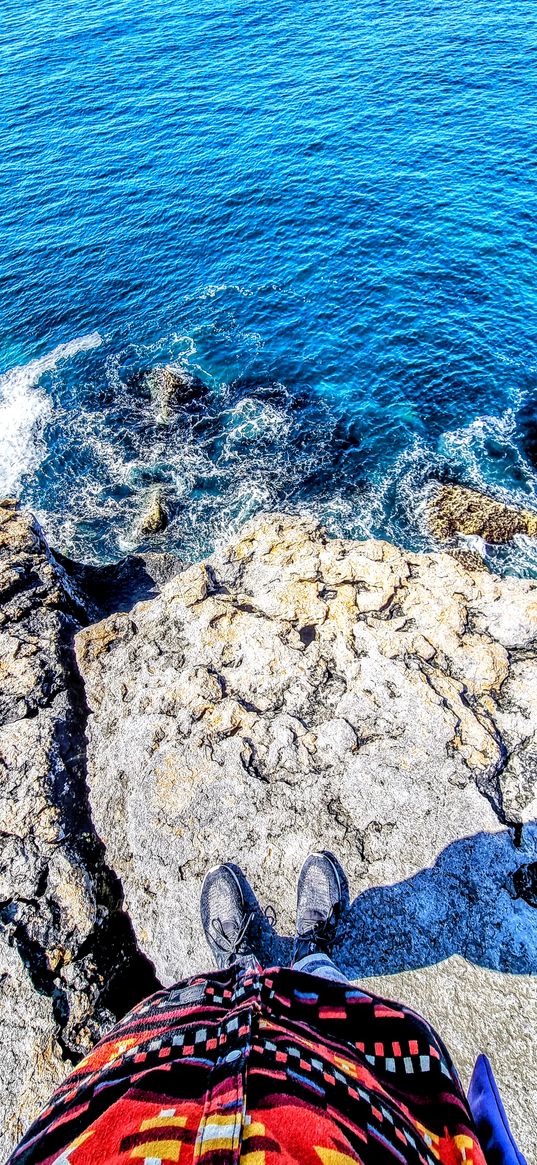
(293, 692)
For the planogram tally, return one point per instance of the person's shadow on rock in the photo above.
(475, 901)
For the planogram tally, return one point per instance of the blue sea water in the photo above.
(327, 211)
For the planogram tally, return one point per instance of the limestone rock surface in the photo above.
(66, 943)
(32, 1058)
(454, 509)
(297, 692)
(293, 692)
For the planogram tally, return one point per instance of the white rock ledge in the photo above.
(299, 692)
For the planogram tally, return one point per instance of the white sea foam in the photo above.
(250, 421)
(467, 446)
(507, 472)
(475, 543)
(24, 407)
(214, 289)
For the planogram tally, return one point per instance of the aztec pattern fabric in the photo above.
(260, 1068)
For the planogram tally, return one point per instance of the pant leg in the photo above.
(321, 965)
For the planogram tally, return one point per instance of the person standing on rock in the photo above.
(287, 1064)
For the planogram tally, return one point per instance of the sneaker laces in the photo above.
(223, 941)
(270, 915)
(321, 932)
(232, 946)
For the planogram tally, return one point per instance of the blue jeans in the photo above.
(322, 966)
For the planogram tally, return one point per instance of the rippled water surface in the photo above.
(328, 212)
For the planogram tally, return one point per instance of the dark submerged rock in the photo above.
(172, 387)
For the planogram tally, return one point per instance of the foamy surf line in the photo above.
(24, 408)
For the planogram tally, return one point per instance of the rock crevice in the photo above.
(64, 936)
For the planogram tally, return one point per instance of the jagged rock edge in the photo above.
(114, 950)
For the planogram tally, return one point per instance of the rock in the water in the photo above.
(298, 692)
(66, 941)
(172, 387)
(155, 516)
(453, 509)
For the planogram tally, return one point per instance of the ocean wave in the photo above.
(487, 454)
(24, 408)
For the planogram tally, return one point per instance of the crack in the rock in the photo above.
(488, 783)
(111, 972)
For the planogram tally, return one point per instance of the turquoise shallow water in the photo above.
(326, 211)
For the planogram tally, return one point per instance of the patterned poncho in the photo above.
(262, 1067)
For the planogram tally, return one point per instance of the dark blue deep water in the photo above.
(327, 211)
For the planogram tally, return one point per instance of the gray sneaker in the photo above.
(228, 907)
(322, 894)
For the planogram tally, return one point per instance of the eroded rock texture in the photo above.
(299, 692)
(32, 1059)
(294, 692)
(66, 946)
(454, 509)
